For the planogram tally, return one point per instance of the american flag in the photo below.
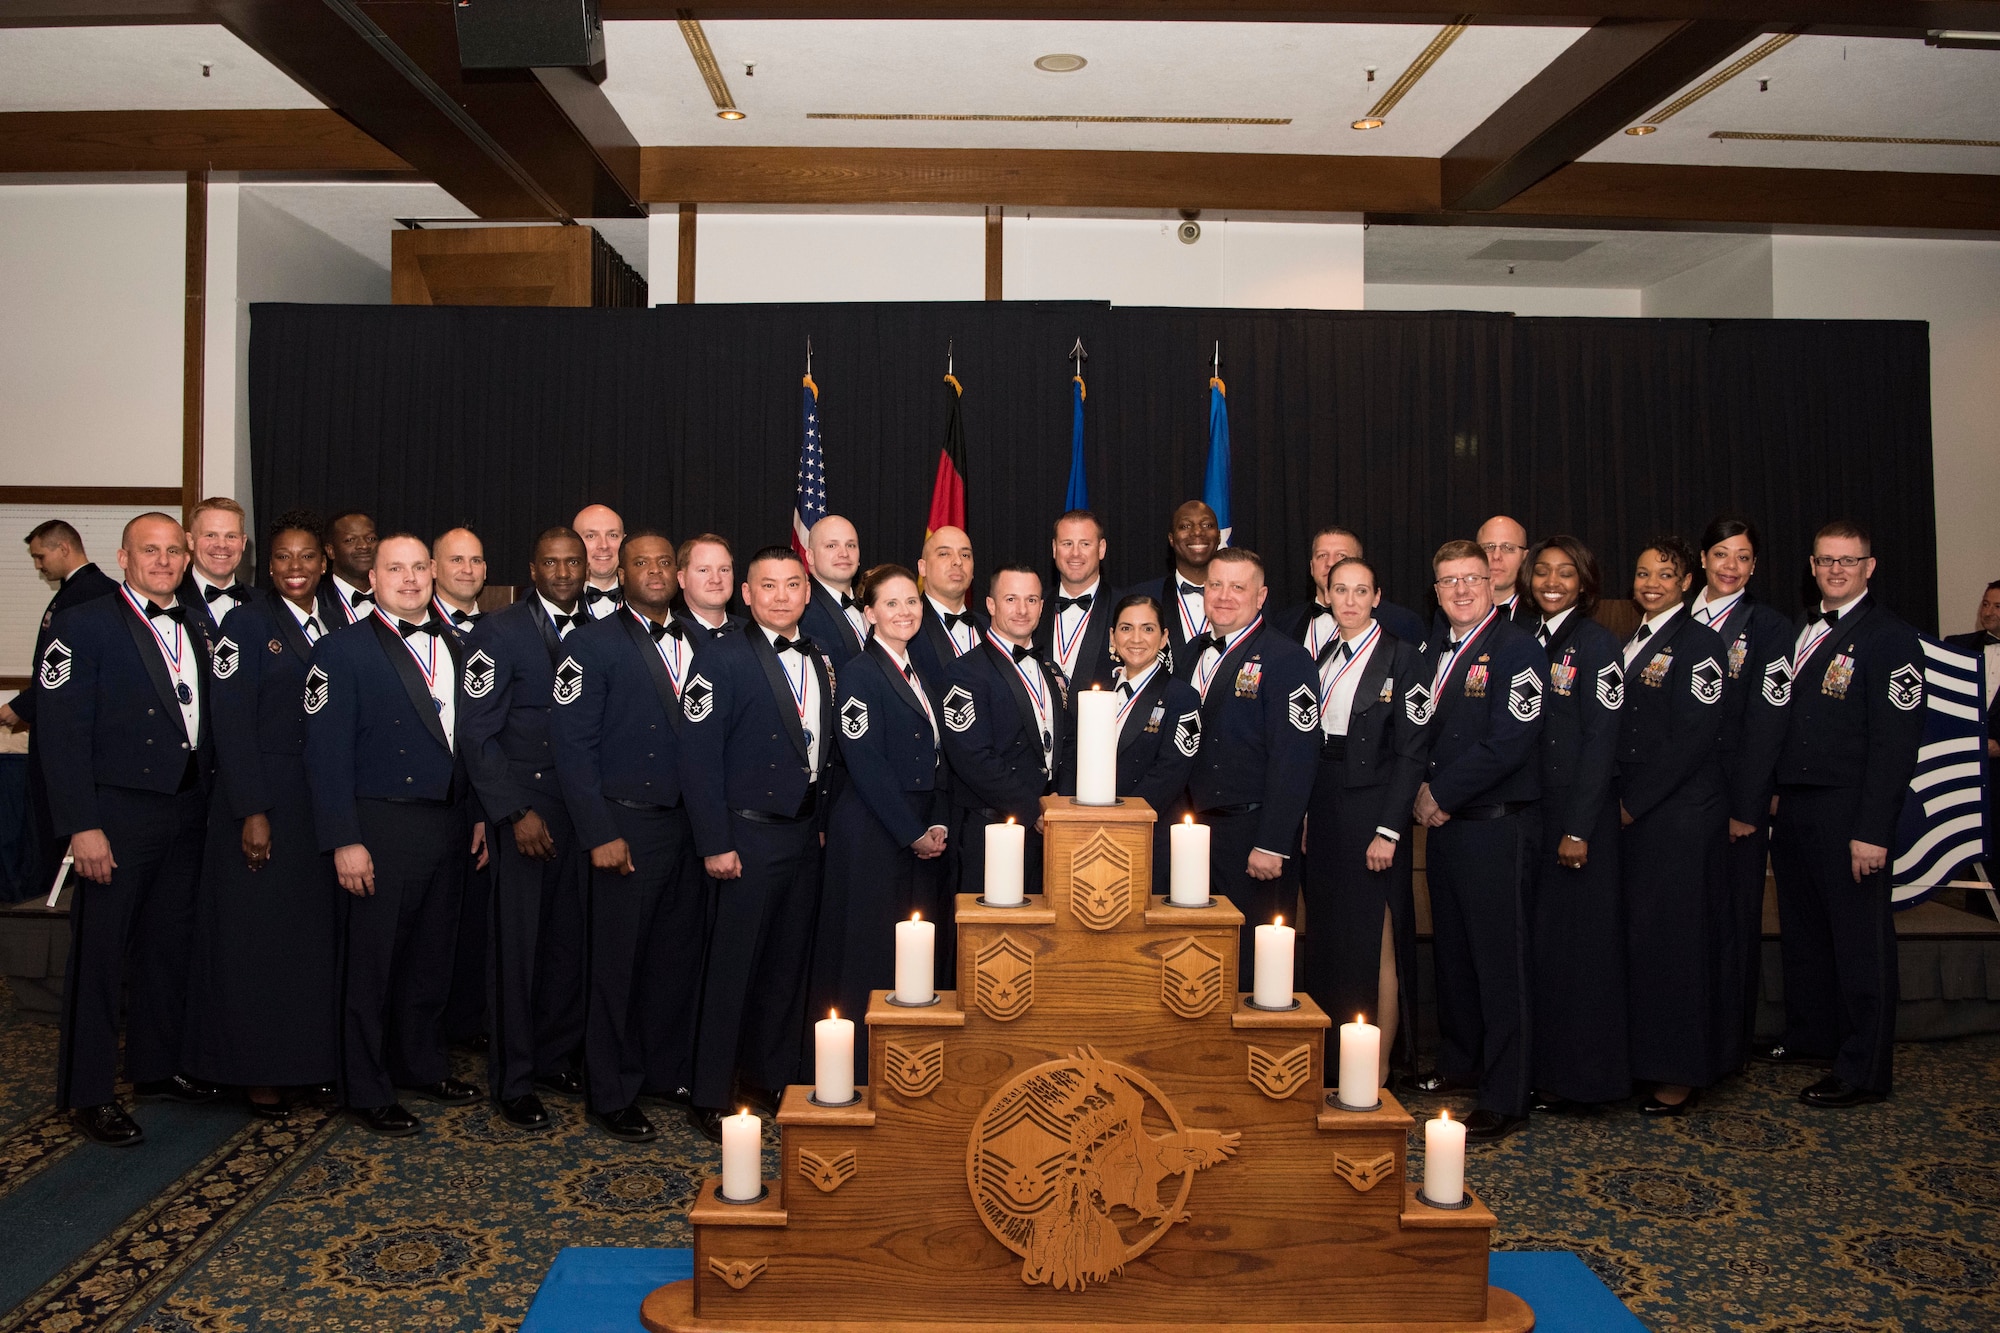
(810, 505)
(1943, 823)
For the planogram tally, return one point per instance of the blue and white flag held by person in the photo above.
(809, 506)
(1215, 486)
(1943, 824)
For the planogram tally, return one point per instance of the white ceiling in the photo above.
(1838, 85)
(1451, 255)
(1314, 73)
(140, 68)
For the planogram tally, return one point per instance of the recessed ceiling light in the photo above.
(1642, 129)
(731, 114)
(1369, 123)
(1061, 63)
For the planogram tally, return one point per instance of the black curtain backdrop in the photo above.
(1410, 428)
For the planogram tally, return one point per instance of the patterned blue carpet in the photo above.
(1755, 1213)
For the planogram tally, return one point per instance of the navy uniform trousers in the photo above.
(396, 948)
(133, 932)
(1345, 901)
(1846, 1012)
(1480, 871)
(535, 949)
(646, 935)
(759, 952)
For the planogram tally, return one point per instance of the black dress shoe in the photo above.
(448, 1092)
(1777, 1053)
(321, 1094)
(679, 1097)
(1491, 1126)
(525, 1112)
(630, 1124)
(179, 1088)
(1654, 1106)
(1838, 1094)
(108, 1124)
(1434, 1083)
(391, 1121)
(707, 1121)
(277, 1110)
(568, 1083)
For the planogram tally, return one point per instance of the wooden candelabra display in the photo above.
(1095, 1129)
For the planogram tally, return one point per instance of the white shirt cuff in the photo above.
(1282, 856)
(1388, 833)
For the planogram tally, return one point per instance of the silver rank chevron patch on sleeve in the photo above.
(1906, 687)
(697, 698)
(1705, 681)
(1524, 695)
(1611, 686)
(1187, 733)
(56, 662)
(854, 719)
(1777, 682)
(569, 681)
(480, 673)
(959, 714)
(1417, 704)
(225, 658)
(316, 690)
(1302, 706)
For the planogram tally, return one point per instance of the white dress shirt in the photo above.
(1706, 612)
(855, 620)
(598, 608)
(176, 644)
(345, 593)
(1320, 629)
(222, 605)
(308, 620)
(1809, 637)
(567, 626)
(1069, 628)
(1041, 697)
(1654, 623)
(1193, 608)
(1211, 658)
(433, 658)
(804, 694)
(1341, 674)
(963, 637)
(910, 678)
(1552, 625)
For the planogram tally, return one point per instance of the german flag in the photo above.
(948, 492)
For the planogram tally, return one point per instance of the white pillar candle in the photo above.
(1188, 844)
(742, 1157)
(1097, 747)
(1444, 1161)
(1273, 989)
(1360, 1055)
(833, 1059)
(1006, 850)
(916, 947)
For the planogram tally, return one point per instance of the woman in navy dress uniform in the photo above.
(1159, 722)
(1759, 644)
(262, 1010)
(1361, 917)
(886, 831)
(1675, 822)
(1578, 928)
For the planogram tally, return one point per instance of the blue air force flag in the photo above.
(1215, 485)
(1943, 823)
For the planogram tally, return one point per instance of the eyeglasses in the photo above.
(1466, 580)
(1844, 561)
(1500, 548)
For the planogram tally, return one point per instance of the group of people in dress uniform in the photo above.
(642, 838)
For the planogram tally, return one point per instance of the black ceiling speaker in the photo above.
(521, 34)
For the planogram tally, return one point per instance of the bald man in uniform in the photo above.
(602, 531)
(1506, 545)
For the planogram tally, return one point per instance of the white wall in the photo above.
(91, 334)
(1955, 285)
(785, 256)
(1611, 301)
(1735, 285)
(1142, 261)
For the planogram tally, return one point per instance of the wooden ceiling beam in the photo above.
(1601, 83)
(123, 141)
(1405, 188)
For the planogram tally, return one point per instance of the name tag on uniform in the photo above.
(1248, 679)
(1562, 676)
(1475, 682)
(1655, 674)
(1153, 721)
(1739, 652)
(1839, 675)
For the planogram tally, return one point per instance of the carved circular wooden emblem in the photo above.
(1064, 1172)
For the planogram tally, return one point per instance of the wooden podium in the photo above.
(1095, 1129)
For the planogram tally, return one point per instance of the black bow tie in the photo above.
(846, 602)
(432, 626)
(801, 645)
(1335, 649)
(1020, 654)
(175, 612)
(594, 594)
(361, 597)
(312, 627)
(1065, 603)
(1200, 644)
(1828, 616)
(964, 618)
(571, 621)
(666, 627)
(240, 591)
(1190, 589)
(466, 617)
